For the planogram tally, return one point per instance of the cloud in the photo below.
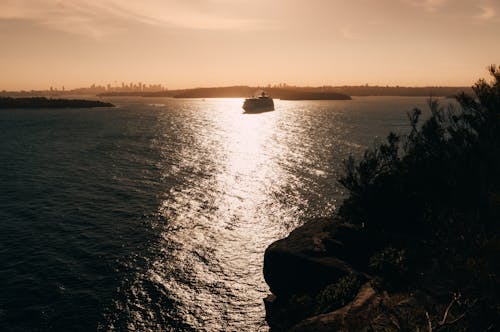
(487, 12)
(348, 33)
(97, 17)
(483, 10)
(428, 5)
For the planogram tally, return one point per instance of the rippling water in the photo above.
(155, 215)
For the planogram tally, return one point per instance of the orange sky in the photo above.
(188, 43)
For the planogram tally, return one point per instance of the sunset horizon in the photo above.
(249, 165)
(284, 85)
(223, 43)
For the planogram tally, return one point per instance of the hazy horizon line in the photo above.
(63, 88)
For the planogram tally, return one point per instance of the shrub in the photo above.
(338, 294)
(436, 181)
(391, 266)
(434, 193)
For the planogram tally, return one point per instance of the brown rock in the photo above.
(300, 263)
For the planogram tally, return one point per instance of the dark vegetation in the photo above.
(415, 246)
(42, 102)
(430, 202)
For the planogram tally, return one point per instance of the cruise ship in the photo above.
(261, 103)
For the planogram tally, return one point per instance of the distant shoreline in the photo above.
(238, 92)
(284, 92)
(42, 102)
(300, 93)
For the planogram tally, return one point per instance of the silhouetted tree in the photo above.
(434, 194)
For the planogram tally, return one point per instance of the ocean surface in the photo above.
(154, 215)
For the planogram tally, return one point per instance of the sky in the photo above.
(197, 43)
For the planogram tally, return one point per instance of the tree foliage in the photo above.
(435, 192)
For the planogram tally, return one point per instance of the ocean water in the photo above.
(154, 215)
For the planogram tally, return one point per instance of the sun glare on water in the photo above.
(220, 222)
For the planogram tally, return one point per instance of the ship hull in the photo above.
(257, 105)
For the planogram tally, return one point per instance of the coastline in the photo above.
(43, 102)
(320, 280)
(297, 93)
(415, 244)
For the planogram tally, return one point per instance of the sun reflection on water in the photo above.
(224, 223)
(240, 185)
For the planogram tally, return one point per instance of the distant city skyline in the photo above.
(145, 87)
(121, 87)
(108, 87)
(187, 44)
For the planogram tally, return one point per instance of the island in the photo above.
(245, 91)
(241, 92)
(43, 102)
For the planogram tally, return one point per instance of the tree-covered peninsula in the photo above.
(42, 102)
